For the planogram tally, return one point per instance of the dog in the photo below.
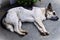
(15, 17)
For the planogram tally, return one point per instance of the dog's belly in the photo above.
(26, 15)
(27, 19)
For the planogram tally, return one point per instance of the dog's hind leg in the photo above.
(16, 28)
(20, 28)
(10, 27)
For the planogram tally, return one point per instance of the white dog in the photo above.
(17, 15)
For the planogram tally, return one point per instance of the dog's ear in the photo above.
(49, 7)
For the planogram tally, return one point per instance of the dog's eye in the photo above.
(54, 13)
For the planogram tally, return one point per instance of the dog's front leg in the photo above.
(41, 27)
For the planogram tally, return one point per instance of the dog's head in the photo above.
(50, 14)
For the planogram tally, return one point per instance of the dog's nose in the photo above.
(57, 18)
(54, 18)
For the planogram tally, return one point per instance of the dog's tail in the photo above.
(4, 23)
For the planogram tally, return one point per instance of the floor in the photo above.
(33, 34)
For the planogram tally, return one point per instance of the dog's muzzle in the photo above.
(54, 18)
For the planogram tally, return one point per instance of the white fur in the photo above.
(24, 14)
(19, 14)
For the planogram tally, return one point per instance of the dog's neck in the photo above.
(44, 11)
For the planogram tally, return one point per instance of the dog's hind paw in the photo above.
(21, 33)
(24, 31)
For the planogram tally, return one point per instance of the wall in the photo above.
(12, 1)
(0, 2)
(3, 2)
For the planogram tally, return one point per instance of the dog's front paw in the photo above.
(44, 33)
